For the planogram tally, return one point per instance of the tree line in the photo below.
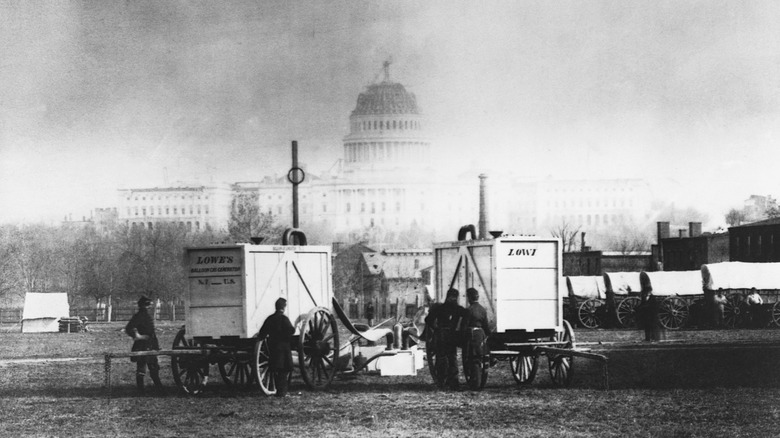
(122, 263)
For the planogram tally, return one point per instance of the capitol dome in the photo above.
(387, 130)
(386, 98)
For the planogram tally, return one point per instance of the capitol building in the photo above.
(386, 181)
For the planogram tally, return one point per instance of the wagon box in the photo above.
(518, 277)
(232, 288)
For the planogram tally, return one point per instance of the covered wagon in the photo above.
(736, 280)
(585, 300)
(679, 293)
(622, 297)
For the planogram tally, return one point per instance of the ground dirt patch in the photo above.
(725, 386)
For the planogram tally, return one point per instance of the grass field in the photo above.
(697, 384)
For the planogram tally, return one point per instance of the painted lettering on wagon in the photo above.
(214, 259)
(530, 252)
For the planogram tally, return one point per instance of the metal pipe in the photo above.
(483, 214)
(295, 186)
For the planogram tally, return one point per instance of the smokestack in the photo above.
(663, 231)
(683, 233)
(483, 214)
(694, 229)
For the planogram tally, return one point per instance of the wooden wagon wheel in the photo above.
(589, 313)
(733, 311)
(261, 371)
(190, 373)
(776, 314)
(524, 368)
(236, 369)
(560, 365)
(318, 348)
(673, 313)
(626, 312)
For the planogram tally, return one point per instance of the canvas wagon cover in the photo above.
(42, 312)
(741, 275)
(622, 282)
(586, 286)
(665, 283)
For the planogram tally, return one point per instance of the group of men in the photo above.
(452, 326)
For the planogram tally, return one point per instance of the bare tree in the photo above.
(247, 221)
(629, 239)
(9, 284)
(735, 217)
(567, 233)
(31, 250)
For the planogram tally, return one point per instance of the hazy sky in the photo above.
(100, 95)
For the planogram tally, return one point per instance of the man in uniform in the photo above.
(141, 329)
(446, 320)
(475, 337)
(279, 331)
(477, 315)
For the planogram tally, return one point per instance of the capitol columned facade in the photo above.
(386, 179)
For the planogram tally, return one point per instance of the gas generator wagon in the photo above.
(520, 285)
(231, 290)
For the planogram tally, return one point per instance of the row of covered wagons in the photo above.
(610, 300)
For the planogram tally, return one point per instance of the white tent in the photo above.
(42, 312)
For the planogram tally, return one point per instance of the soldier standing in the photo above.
(477, 315)
(446, 320)
(141, 329)
(279, 331)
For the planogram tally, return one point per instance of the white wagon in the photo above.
(520, 285)
(232, 289)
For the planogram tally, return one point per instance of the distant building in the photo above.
(194, 207)
(392, 280)
(755, 207)
(594, 205)
(388, 180)
(755, 242)
(385, 179)
(692, 248)
(592, 263)
(105, 219)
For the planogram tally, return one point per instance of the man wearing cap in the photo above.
(447, 320)
(477, 315)
(141, 329)
(279, 331)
